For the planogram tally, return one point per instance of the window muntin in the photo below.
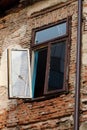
(60, 42)
(50, 33)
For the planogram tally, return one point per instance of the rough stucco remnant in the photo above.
(84, 49)
(83, 126)
(41, 5)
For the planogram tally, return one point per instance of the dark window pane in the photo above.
(56, 74)
(40, 69)
(50, 33)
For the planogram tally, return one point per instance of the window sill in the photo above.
(47, 97)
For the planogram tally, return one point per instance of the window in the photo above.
(48, 74)
(50, 59)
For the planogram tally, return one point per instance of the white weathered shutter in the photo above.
(19, 74)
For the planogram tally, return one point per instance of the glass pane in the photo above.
(50, 33)
(56, 74)
(40, 59)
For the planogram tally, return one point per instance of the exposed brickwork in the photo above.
(52, 114)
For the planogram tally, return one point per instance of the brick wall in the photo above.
(16, 32)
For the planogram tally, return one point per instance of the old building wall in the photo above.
(83, 90)
(16, 32)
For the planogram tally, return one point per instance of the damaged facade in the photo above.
(19, 27)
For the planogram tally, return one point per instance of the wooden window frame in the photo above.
(46, 92)
(47, 44)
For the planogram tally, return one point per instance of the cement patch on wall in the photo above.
(3, 65)
(12, 41)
